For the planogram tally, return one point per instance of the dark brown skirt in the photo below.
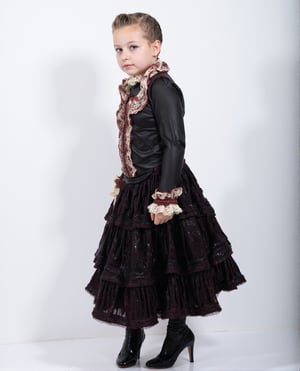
(145, 272)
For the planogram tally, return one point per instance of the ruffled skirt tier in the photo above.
(144, 272)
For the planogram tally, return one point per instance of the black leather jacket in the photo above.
(158, 137)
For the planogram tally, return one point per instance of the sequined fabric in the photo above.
(144, 272)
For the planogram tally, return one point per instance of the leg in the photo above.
(130, 351)
(178, 337)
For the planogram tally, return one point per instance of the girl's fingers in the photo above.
(161, 218)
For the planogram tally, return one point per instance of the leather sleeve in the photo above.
(168, 109)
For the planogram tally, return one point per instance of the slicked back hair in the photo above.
(148, 24)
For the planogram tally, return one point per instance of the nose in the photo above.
(124, 55)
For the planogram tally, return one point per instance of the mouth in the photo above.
(126, 66)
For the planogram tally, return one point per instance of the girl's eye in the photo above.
(118, 50)
(132, 47)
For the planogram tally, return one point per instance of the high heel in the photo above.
(178, 337)
(191, 352)
(131, 348)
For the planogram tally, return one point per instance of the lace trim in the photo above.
(133, 80)
(174, 193)
(165, 210)
(116, 190)
(166, 202)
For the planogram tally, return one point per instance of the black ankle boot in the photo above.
(130, 351)
(178, 337)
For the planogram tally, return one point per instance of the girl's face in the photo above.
(134, 52)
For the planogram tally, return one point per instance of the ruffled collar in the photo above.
(133, 80)
(143, 79)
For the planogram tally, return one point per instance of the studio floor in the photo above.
(222, 351)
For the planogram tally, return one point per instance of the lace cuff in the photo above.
(116, 190)
(166, 202)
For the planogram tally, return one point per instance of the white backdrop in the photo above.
(236, 62)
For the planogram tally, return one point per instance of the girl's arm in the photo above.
(168, 109)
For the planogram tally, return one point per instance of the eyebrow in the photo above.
(129, 42)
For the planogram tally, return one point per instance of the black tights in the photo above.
(176, 324)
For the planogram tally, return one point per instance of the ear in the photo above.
(156, 45)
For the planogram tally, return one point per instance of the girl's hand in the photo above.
(160, 218)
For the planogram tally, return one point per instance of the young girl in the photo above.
(162, 253)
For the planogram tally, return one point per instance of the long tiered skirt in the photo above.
(144, 272)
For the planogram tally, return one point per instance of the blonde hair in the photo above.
(148, 24)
